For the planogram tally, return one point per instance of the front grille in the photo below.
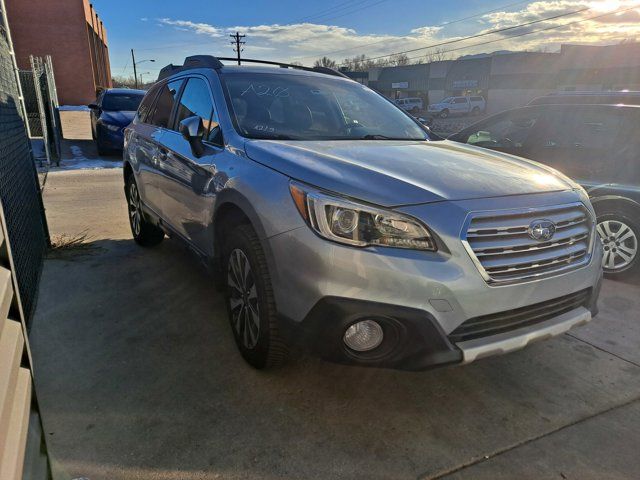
(500, 245)
(520, 317)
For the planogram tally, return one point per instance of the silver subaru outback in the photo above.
(334, 221)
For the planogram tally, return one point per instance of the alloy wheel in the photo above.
(620, 245)
(243, 299)
(135, 214)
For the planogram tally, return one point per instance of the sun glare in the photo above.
(606, 5)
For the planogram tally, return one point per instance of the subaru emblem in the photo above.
(541, 230)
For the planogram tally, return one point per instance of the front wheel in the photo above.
(619, 235)
(444, 113)
(144, 232)
(250, 300)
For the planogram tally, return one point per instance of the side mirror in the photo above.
(192, 130)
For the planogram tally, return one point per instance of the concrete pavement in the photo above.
(138, 378)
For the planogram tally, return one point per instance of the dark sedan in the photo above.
(111, 114)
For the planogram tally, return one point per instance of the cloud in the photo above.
(307, 41)
(199, 28)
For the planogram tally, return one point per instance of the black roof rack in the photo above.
(209, 61)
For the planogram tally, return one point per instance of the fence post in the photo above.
(53, 105)
(5, 25)
(36, 68)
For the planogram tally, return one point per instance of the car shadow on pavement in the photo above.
(138, 376)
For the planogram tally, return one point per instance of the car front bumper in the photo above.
(322, 287)
(113, 139)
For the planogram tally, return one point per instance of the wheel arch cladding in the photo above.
(127, 170)
(233, 209)
(615, 203)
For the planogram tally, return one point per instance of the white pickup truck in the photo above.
(473, 105)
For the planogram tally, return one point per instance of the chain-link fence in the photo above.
(41, 104)
(19, 187)
(31, 103)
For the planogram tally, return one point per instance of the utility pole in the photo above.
(135, 72)
(238, 44)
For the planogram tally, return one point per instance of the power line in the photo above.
(446, 23)
(333, 17)
(553, 27)
(329, 11)
(125, 67)
(483, 34)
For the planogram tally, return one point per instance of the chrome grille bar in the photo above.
(500, 246)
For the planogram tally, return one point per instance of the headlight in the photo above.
(113, 128)
(348, 222)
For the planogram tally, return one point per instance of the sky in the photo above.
(302, 31)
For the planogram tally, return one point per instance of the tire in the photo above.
(475, 111)
(444, 113)
(620, 235)
(144, 233)
(250, 301)
(101, 150)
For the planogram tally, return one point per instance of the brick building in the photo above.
(73, 34)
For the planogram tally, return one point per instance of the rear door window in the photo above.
(579, 141)
(146, 105)
(460, 100)
(165, 102)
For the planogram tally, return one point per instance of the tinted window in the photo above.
(164, 103)
(121, 102)
(476, 99)
(460, 100)
(584, 128)
(582, 142)
(196, 101)
(147, 103)
(305, 107)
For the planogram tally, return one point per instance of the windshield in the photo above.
(447, 100)
(301, 107)
(127, 102)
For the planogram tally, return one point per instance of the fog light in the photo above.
(363, 336)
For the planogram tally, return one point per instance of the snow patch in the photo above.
(73, 108)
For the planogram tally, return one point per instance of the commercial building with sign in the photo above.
(512, 79)
(73, 34)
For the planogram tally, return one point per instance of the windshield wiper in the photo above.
(384, 137)
(375, 137)
(275, 136)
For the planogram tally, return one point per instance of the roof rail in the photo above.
(209, 61)
(194, 61)
(325, 70)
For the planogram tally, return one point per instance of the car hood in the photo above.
(394, 173)
(122, 118)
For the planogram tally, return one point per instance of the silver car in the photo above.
(333, 221)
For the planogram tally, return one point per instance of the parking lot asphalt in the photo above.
(138, 377)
